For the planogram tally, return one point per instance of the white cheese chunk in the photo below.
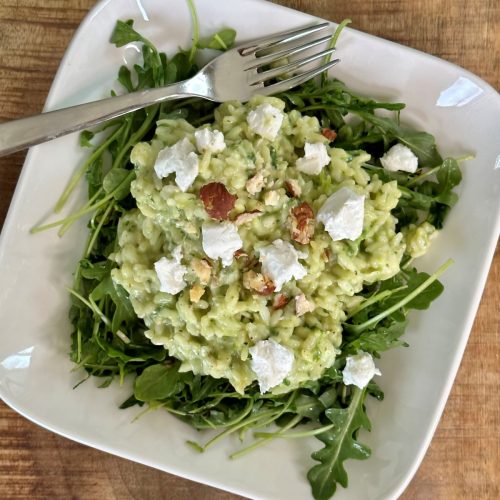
(280, 262)
(272, 198)
(171, 272)
(359, 370)
(342, 214)
(209, 140)
(265, 120)
(271, 362)
(400, 157)
(315, 158)
(220, 240)
(181, 160)
(303, 305)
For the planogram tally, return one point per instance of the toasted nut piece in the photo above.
(239, 254)
(248, 261)
(247, 217)
(330, 134)
(255, 184)
(302, 227)
(302, 305)
(326, 255)
(257, 282)
(293, 188)
(217, 199)
(280, 301)
(272, 198)
(202, 269)
(196, 293)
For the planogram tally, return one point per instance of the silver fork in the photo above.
(238, 74)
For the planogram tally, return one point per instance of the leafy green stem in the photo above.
(295, 435)
(374, 299)
(196, 30)
(75, 179)
(357, 329)
(257, 444)
(332, 44)
(72, 218)
(428, 173)
(97, 230)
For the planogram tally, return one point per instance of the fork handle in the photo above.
(25, 132)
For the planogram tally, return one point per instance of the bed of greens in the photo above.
(108, 339)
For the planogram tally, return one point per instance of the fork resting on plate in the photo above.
(257, 67)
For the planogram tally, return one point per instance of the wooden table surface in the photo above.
(463, 459)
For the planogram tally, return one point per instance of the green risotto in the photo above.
(212, 335)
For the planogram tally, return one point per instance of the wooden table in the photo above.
(463, 460)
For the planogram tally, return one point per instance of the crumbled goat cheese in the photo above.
(181, 159)
(265, 120)
(302, 305)
(209, 140)
(271, 362)
(359, 370)
(342, 214)
(280, 261)
(271, 198)
(255, 184)
(315, 158)
(220, 240)
(400, 157)
(171, 272)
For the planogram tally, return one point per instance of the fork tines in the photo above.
(263, 71)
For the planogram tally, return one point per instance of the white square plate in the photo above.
(35, 372)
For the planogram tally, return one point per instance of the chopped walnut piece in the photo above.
(255, 184)
(217, 199)
(302, 227)
(293, 188)
(330, 134)
(302, 305)
(272, 198)
(280, 301)
(196, 293)
(257, 282)
(202, 269)
(247, 217)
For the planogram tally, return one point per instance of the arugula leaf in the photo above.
(422, 144)
(426, 288)
(94, 270)
(124, 312)
(449, 174)
(340, 444)
(125, 78)
(158, 382)
(85, 137)
(377, 340)
(117, 181)
(222, 40)
(124, 33)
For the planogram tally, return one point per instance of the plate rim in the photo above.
(398, 489)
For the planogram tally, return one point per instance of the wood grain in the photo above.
(463, 459)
